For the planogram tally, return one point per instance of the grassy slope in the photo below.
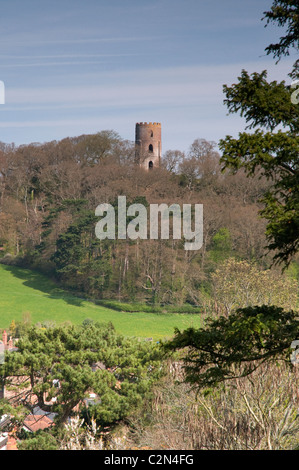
(22, 290)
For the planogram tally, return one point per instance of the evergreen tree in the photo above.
(62, 365)
(272, 153)
(235, 345)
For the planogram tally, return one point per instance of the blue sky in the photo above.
(75, 67)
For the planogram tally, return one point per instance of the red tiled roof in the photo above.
(11, 443)
(36, 422)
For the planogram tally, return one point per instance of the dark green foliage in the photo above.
(126, 369)
(40, 440)
(81, 260)
(221, 246)
(236, 345)
(272, 154)
(260, 102)
(142, 307)
(285, 13)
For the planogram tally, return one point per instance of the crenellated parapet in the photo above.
(148, 124)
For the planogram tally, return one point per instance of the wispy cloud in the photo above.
(57, 63)
(103, 64)
(30, 39)
(176, 86)
(62, 56)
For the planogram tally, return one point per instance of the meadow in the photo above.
(26, 291)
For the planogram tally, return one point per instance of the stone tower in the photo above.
(148, 144)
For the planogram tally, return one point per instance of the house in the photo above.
(7, 442)
(39, 420)
(7, 344)
(33, 423)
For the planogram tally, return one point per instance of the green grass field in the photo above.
(23, 290)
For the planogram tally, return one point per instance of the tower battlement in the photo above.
(148, 124)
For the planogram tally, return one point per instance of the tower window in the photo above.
(151, 134)
(150, 148)
(150, 165)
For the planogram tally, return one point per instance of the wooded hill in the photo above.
(48, 196)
